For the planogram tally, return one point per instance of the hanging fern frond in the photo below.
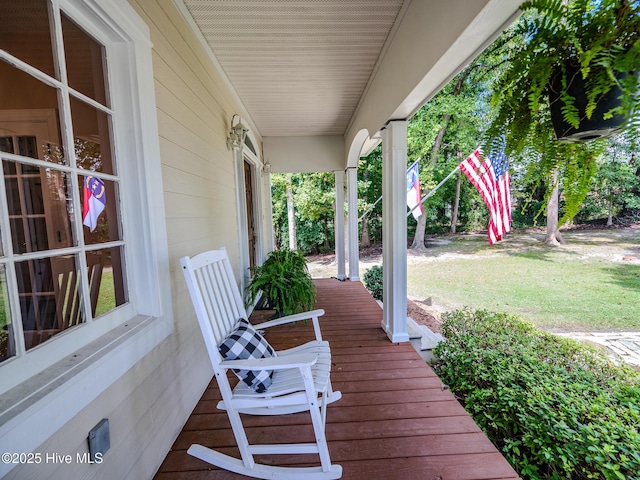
(602, 37)
(552, 45)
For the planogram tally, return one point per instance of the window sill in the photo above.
(25, 410)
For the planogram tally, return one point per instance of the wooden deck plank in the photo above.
(347, 431)
(395, 420)
(449, 467)
(479, 466)
(217, 419)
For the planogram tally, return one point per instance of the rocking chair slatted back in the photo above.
(213, 282)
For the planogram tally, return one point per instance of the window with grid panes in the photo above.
(62, 249)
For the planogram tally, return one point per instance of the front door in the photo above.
(248, 188)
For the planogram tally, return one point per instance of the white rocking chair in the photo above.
(300, 380)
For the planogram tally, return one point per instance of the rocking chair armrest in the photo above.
(299, 360)
(312, 314)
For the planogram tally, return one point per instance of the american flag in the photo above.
(491, 179)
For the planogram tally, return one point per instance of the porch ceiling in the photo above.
(299, 66)
(309, 67)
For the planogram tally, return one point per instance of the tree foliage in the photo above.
(441, 134)
(496, 101)
(604, 38)
(369, 191)
(314, 204)
(615, 186)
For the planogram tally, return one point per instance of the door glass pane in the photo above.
(7, 344)
(106, 279)
(29, 123)
(85, 60)
(39, 207)
(99, 210)
(25, 32)
(92, 137)
(6, 144)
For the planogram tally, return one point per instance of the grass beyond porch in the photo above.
(592, 283)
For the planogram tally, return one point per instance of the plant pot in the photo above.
(277, 314)
(264, 304)
(589, 128)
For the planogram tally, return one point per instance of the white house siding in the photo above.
(148, 405)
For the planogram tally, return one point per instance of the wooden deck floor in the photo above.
(394, 420)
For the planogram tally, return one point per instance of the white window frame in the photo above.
(44, 388)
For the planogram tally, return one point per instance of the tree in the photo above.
(279, 186)
(456, 203)
(315, 201)
(448, 124)
(553, 236)
(311, 221)
(291, 216)
(565, 170)
(616, 183)
(369, 191)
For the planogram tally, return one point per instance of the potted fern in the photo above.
(574, 62)
(284, 280)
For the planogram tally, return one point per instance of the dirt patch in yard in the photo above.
(424, 314)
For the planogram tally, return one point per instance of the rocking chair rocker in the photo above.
(300, 381)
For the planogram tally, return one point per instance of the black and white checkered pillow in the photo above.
(244, 343)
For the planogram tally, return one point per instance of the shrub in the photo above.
(554, 407)
(373, 281)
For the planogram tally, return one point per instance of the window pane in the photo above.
(50, 297)
(25, 33)
(108, 290)
(29, 124)
(39, 207)
(6, 144)
(37, 301)
(84, 57)
(99, 211)
(7, 345)
(92, 137)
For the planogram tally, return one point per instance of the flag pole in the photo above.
(434, 189)
(380, 197)
(370, 208)
(411, 166)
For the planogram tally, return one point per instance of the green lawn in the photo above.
(585, 285)
(107, 295)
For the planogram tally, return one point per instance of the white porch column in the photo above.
(352, 202)
(394, 230)
(339, 224)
